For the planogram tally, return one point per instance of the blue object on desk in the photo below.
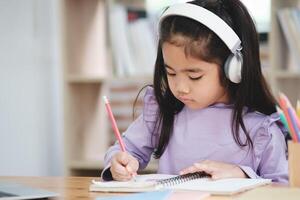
(157, 195)
(15, 191)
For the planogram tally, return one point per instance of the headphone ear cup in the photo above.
(233, 67)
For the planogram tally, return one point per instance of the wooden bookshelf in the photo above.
(87, 68)
(282, 79)
(85, 72)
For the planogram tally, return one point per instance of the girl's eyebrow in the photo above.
(167, 66)
(194, 70)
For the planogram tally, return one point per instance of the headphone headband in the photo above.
(207, 18)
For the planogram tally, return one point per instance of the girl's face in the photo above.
(194, 82)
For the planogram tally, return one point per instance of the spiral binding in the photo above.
(181, 179)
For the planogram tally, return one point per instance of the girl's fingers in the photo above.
(127, 160)
(216, 176)
(133, 165)
(120, 173)
(123, 158)
(119, 177)
(217, 170)
(128, 168)
(188, 170)
(204, 167)
(124, 166)
(198, 167)
(119, 168)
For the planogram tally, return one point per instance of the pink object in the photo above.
(284, 107)
(114, 124)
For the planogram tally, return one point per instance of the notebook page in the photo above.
(139, 182)
(153, 177)
(223, 186)
(138, 178)
(148, 183)
(123, 184)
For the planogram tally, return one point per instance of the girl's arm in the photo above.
(272, 154)
(217, 170)
(138, 138)
(269, 158)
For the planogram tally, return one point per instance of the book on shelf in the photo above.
(132, 40)
(289, 20)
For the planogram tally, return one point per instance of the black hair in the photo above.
(252, 93)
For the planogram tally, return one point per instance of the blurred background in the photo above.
(59, 57)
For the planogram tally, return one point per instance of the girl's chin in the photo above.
(194, 106)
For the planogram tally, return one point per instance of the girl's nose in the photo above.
(182, 88)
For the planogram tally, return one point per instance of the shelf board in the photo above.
(85, 79)
(134, 78)
(287, 74)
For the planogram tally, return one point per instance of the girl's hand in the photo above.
(123, 166)
(217, 170)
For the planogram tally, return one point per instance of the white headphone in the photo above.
(234, 62)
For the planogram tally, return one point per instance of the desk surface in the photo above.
(75, 187)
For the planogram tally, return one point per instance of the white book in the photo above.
(190, 182)
(118, 28)
(143, 46)
(290, 34)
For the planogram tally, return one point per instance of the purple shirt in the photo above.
(205, 134)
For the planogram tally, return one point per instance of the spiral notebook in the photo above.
(198, 181)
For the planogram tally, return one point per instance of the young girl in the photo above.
(209, 108)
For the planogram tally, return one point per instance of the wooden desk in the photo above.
(76, 187)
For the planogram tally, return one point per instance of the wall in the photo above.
(30, 88)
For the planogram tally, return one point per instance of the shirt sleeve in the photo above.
(139, 138)
(270, 153)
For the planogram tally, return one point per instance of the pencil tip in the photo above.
(105, 99)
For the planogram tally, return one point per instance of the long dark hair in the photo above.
(252, 93)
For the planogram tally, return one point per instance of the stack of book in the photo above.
(133, 41)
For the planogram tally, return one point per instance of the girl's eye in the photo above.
(170, 74)
(195, 78)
